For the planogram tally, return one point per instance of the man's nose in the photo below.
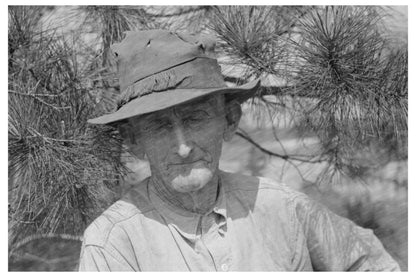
(184, 150)
(184, 147)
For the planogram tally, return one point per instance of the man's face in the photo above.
(183, 143)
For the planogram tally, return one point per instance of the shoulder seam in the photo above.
(113, 224)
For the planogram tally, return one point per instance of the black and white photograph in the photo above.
(176, 138)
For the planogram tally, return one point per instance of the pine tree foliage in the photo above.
(111, 23)
(346, 85)
(256, 36)
(351, 79)
(62, 172)
(193, 19)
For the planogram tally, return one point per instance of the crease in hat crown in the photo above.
(160, 61)
(144, 53)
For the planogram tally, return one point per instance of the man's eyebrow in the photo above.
(152, 117)
(195, 107)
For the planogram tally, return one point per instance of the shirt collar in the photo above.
(186, 222)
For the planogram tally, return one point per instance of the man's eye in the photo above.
(198, 115)
(157, 125)
(195, 119)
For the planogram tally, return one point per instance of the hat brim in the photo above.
(161, 100)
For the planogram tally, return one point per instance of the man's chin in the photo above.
(194, 181)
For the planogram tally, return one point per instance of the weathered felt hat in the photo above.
(159, 69)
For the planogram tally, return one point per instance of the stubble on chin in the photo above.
(194, 181)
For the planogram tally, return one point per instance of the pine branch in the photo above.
(180, 12)
(285, 157)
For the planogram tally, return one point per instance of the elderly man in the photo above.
(175, 109)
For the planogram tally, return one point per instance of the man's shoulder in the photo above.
(133, 203)
(98, 232)
(235, 181)
(268, 193)
(267, 198)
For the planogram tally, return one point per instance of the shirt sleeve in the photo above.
(335, 243)
(106, 247)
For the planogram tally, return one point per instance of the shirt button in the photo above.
(224, 267)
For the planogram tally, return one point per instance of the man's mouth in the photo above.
(186, 162)
(185, 167)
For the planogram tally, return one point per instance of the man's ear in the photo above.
(129, 140)
(233, 116)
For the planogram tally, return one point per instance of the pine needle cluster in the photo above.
(353, 87)
(335, 73)
(255, 36)
(62, 172)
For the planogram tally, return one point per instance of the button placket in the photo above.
(216, 243)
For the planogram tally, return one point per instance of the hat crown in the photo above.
(144, 53)
(158, 69)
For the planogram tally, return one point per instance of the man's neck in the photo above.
(201, 201)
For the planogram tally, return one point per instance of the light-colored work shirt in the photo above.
(256, 225)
